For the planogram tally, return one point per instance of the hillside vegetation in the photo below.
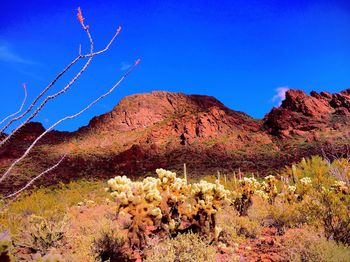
(300, 214)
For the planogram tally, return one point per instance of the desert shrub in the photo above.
(5, 247)
(246, 227)
(308, 244)
(321, 197)
(184, 247)
(315, 168)
(225, 218)
(236, 227)
(340, 169)
(312, 167)
(336, 212)
(85, 223)
(49, 202)
(259, 211)
(109, 246)
(284, 215)
(41, 234)
(52, 256)
(167, 206)
(287, 210)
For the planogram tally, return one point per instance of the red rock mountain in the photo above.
(163, 129)
(185, 118)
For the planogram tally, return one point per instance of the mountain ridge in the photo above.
(164, 129)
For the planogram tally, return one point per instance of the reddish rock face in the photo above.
(298, 101)
(181, 118)
(144, 110)
(301, 112)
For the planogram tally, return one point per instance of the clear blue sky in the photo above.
(238, 51)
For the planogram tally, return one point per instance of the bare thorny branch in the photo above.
(90, 55)
(50, 97)
(37, 177)
(20, 109)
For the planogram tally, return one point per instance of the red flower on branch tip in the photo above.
(24, 85)
(80, 16)
(137, 61)
(119, 29)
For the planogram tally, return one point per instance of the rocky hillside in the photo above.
(163, 129)
(184, 119)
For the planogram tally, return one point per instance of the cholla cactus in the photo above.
(269, 186)
(340, 187)
(249, 184)
(298, 191)
(303, 187)
(209, 198)
(305, 181)
(289, 193)
(166, 205)
(243, 196)
(140, 201)
(262, 194)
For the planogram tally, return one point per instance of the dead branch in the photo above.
(19, 110)
(90, 55)
(71, 82)
(36, 178)
(3, 177)
(50, 97)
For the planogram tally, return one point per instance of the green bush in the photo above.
(321, 196)
(336, 215)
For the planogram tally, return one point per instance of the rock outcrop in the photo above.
(300, 113)
(176, 117)
(144, 110)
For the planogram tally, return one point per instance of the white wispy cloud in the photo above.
(280, 95)
(125, 65)
(9, 56)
